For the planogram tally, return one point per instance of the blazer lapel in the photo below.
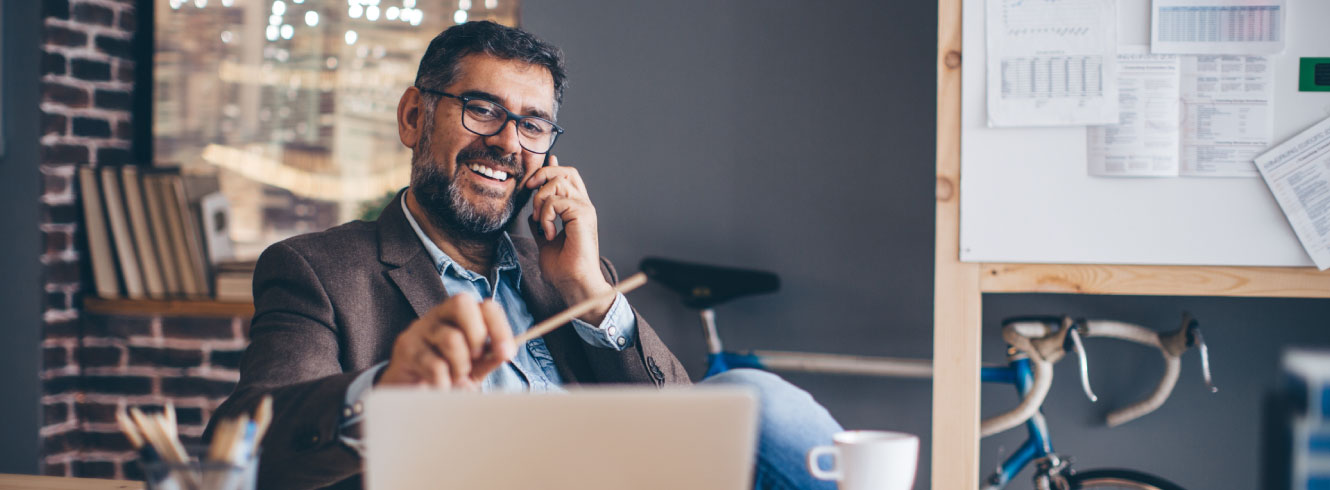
(408, 264)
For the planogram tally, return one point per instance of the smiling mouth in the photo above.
(488, 172)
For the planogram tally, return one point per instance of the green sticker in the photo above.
(1314, 75)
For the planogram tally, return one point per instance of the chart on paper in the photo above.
(1051, 62)
(1064, 18)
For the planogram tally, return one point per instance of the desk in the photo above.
(30, 482)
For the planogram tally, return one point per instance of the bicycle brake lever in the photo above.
(1195, 332)
(1084, 363)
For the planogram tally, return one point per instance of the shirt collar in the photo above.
(505, 253)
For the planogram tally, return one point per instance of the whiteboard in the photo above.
(1026, 196)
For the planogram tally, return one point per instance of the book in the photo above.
(141, 229)
(130, 273)
(153, 201)
(167, 186)
(234, 281)
(192, 235)
(99, 240)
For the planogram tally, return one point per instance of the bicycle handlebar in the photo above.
(1170, 345)
(1044, 345)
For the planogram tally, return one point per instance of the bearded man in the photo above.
(434, 292)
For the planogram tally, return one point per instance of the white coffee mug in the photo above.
(868, 460)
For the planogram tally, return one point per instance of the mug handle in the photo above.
(834, 473)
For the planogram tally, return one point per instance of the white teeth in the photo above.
(498, 175)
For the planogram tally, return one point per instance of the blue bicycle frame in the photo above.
(1038, 445)
(1016, 372)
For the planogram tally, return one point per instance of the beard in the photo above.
(441, 196)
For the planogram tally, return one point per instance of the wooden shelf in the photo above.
(173, 307)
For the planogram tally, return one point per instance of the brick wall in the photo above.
(94, 364)
(134, 361)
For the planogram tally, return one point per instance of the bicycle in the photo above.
(1035, 344)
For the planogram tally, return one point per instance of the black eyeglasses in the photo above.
(486, 118)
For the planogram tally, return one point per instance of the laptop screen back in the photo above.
(600, 439)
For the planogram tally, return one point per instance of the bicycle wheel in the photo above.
(1114, 478)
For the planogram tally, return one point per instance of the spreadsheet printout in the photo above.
(1051, 62)
(1217, 26)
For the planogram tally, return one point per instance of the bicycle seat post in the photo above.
(709, 325)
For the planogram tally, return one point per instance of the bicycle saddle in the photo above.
(705, 286)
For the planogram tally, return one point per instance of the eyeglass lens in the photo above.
(487, 118)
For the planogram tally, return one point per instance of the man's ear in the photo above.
(409, 116)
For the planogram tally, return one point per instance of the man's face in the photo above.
(470, 183)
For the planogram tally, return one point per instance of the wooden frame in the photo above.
(958, 286)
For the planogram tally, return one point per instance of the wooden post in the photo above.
(956, 296)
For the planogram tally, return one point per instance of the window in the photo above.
(291, 104)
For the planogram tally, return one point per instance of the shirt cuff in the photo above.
(617, 331)
(353, 408)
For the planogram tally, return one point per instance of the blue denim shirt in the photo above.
(532, 369)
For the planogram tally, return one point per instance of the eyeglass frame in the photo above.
(508, 116)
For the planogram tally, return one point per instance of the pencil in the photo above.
(632, 282)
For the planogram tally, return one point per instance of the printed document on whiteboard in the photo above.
(1145, 142)
(1218, 26)
(1298, 173)
(1227, 114)
(1052, 62)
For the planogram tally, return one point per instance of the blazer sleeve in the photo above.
(648, 361)
(293, 355)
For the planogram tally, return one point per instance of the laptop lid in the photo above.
(590, 439)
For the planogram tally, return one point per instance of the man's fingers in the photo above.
(559, 207)
(431, 369)
(451, 345)
(468, 318)
(502, 347)
(547, 174)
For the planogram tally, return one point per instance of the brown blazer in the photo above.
(329, 305)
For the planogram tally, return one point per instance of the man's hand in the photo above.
(569, 259)
(453, 346)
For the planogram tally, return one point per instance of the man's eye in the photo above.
(482, 111)
(533, 127)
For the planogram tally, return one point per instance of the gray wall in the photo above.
(20, 183)
(795, 136)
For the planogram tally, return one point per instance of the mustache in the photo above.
(493, 158)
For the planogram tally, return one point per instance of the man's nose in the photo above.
(506, 139)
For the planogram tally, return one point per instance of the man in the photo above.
(399, 301)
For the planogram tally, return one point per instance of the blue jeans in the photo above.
(790, 423)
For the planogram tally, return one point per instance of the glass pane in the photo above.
(292, 104)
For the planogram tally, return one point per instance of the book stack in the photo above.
(1306, 395)
(154, 233)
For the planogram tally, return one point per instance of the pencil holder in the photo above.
(200, 475)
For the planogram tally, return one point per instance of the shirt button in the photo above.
(622, 341)
(612, 331)
(358, 408)
(346, 412)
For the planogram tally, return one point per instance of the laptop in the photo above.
(701, 438)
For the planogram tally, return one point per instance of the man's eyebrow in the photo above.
(528, 111)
